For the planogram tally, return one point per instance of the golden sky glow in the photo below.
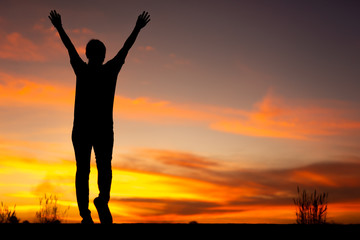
(219, 116)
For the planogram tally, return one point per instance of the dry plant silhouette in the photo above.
(7, 215)
(50, 211)
(311, 208)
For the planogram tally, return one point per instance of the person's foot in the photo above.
(103, 211)
(87, 220)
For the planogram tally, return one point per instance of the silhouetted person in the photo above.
(93, 114)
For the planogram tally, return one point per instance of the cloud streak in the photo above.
(15, 46)
(45, 46)
(210, 190)
(180, 159)
(24, 91)
(237, 194)
(273, 116)
(277, 117)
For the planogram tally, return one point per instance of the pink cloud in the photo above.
(82, 31)
(46, 45)
(146, 48)
(15, 46)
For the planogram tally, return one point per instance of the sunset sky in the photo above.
(221, 110)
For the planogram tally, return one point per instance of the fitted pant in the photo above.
(83, 141)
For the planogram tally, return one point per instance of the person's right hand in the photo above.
(142, 20)
(55, 19)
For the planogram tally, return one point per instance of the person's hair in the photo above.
(95, 50)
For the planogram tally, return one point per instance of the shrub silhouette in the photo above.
(311, 208)
(7, 215)
(49, 210)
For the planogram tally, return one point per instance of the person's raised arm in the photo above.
(56, 21)
(141, 22)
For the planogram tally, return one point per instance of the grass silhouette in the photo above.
(7, 215)
(50, 211)
(311, 208)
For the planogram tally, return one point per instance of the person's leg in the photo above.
(82, 148)
(103, 148)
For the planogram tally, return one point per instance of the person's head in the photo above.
(95, 51)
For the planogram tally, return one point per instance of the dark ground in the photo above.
(188, 231)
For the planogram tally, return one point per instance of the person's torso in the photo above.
(94, 96)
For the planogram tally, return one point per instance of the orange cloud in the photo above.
(283, 118)
(160, 111)
(19, 91)
(221, 194)
(182, 159)
(233, 194)
(48, 39)
(271, 117)
(311, 178)
(45, 46)
(24, 179)
(15, 46)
